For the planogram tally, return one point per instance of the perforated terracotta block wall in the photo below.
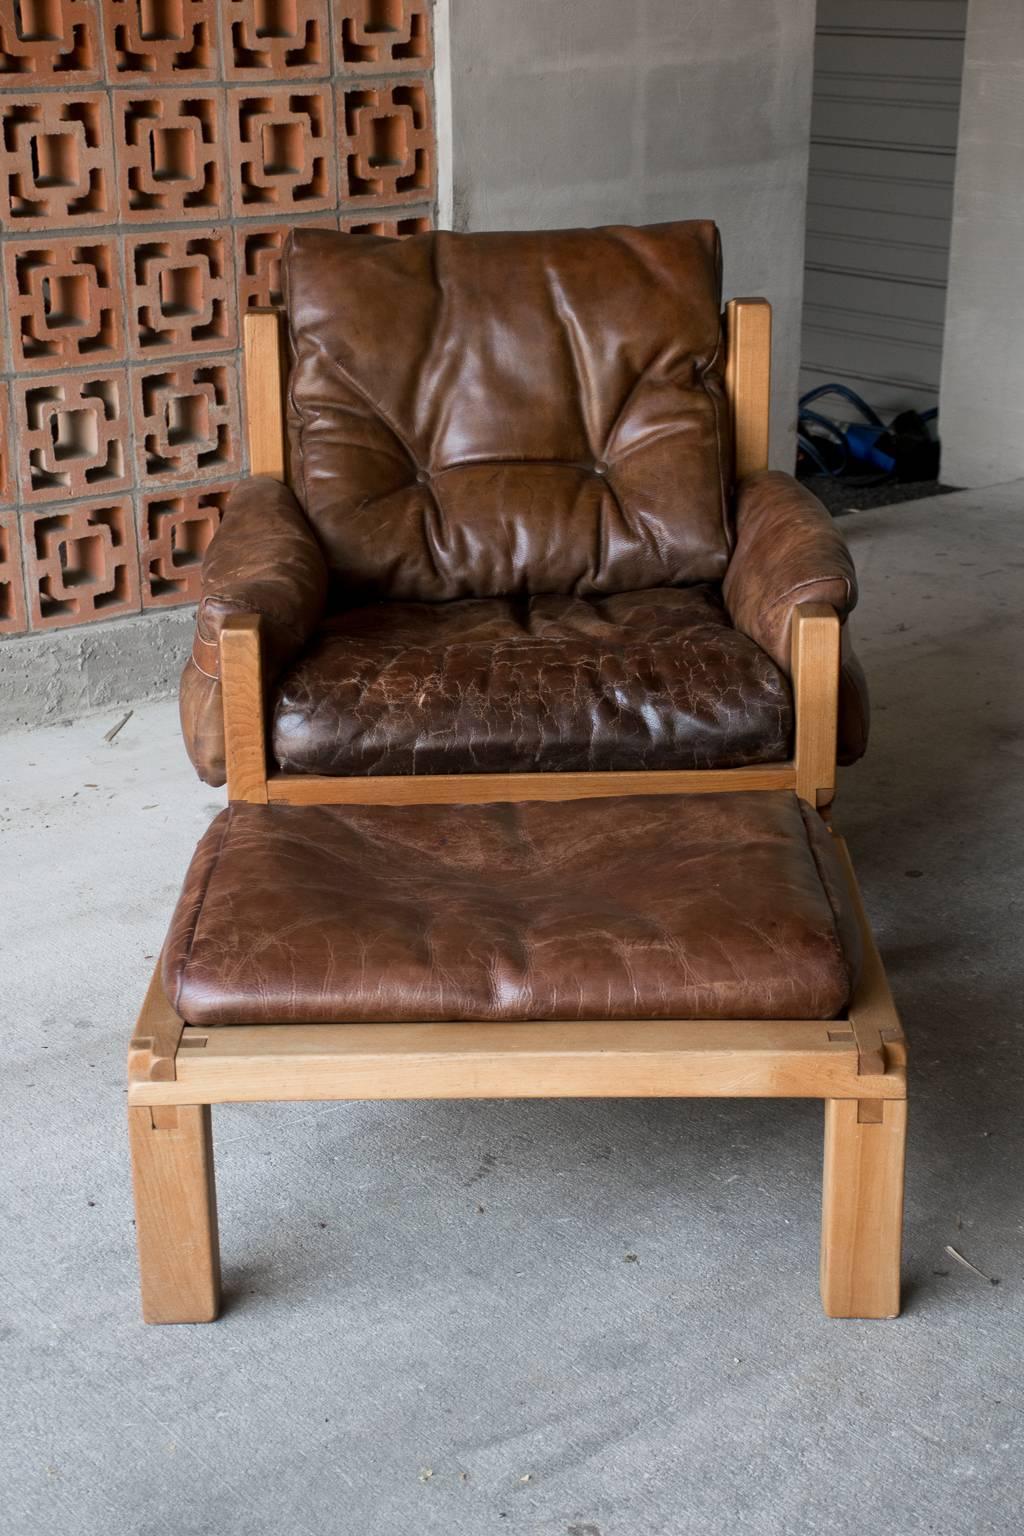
(153, 156)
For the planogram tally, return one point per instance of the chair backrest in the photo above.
(476, 415)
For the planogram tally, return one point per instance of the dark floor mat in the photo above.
(846, 495)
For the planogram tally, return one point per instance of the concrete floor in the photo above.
(563, 1318)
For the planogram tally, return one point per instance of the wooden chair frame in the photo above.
(855, 1064)
(815, 639)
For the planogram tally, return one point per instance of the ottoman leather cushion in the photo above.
(642, 907)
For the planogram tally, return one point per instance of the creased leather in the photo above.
(789, 551)
(656, 679)
(483, 415)
(702, 906)
(264, 559)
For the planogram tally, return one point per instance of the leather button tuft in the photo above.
(422, 478)
(600, 468)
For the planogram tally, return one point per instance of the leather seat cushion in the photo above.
(659, 907)
(656, 679)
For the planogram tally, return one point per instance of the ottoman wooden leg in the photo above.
(175, 1212)
(862, 1212)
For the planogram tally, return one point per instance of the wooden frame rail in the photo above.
(475, 788)
(735, 1059)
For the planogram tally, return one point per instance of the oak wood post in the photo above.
(748, 377)
(241, 678)
(815, 670)
(175, 1212)
(862, 1207)
(264, 393)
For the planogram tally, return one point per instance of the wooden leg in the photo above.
(862, 1212)
(175, 1212)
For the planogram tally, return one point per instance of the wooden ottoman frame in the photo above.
(856, 1064)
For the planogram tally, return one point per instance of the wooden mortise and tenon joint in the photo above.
(153, 1050)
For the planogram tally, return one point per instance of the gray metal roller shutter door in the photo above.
(880, 196)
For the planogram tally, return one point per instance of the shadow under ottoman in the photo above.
(671, 946)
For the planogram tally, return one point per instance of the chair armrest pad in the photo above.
(788, 551)
(264, 559)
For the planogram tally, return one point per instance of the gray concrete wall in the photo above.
(981, 399)
(635, 111)
(60, 674)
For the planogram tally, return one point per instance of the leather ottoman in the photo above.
(674, 946)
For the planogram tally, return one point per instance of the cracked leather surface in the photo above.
(789, 551)
(656, 679)
(702, 906)
(481, 415)
(264, 558)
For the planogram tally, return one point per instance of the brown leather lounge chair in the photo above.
(522, 524)
(518, 544)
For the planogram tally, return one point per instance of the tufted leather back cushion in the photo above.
(479, 415)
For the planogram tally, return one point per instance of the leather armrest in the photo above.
(264, 559)
(789, 551)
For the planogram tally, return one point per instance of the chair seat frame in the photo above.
(815, 640)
